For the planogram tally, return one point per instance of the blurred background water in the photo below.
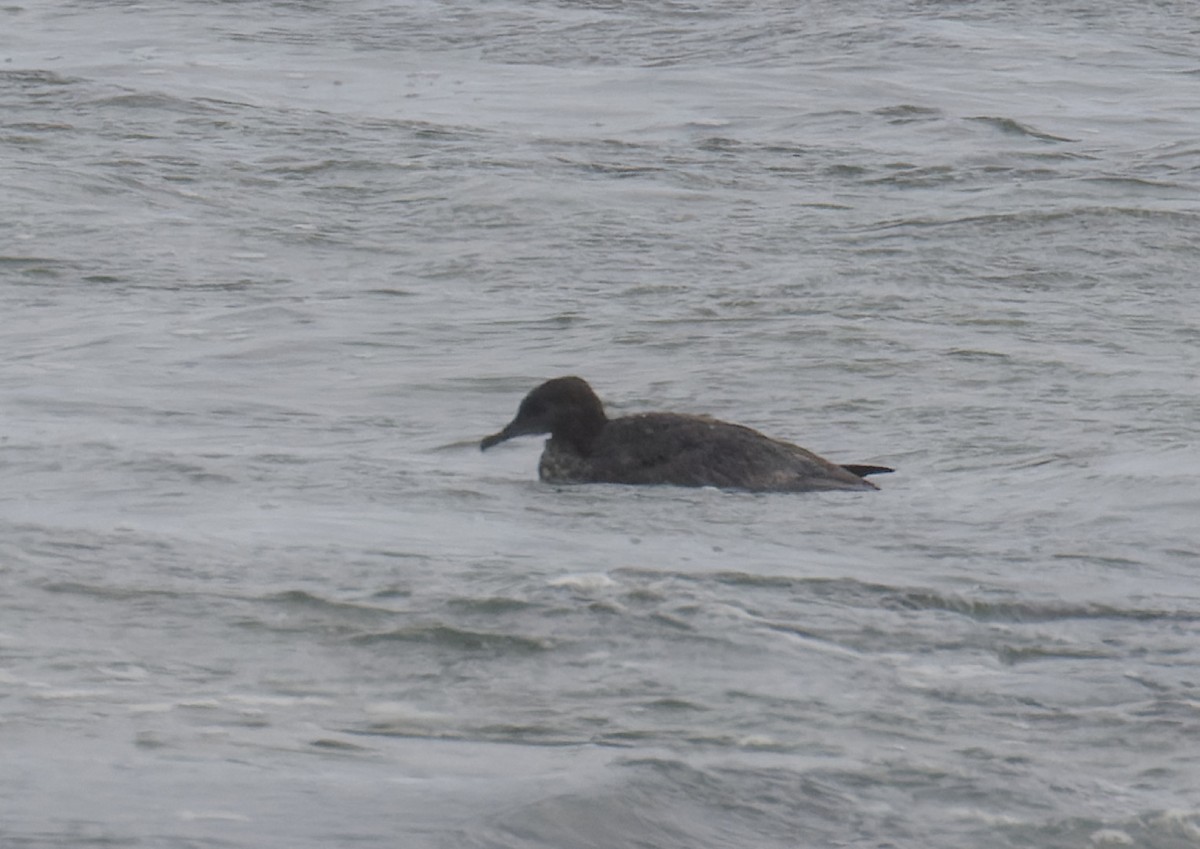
(269, 270)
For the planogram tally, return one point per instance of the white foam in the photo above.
(590, 581)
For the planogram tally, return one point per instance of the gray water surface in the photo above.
(269, 270)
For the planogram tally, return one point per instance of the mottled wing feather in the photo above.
(666, 448)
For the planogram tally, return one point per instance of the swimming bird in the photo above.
(586, 446)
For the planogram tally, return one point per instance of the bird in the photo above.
(675, 449)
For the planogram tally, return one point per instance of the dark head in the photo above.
(566, 408)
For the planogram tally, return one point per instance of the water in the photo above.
(268, 271)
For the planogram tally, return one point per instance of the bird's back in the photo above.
(682, 450)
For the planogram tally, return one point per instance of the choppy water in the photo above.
(268, 270)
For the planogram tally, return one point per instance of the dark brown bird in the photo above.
(586, 446)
